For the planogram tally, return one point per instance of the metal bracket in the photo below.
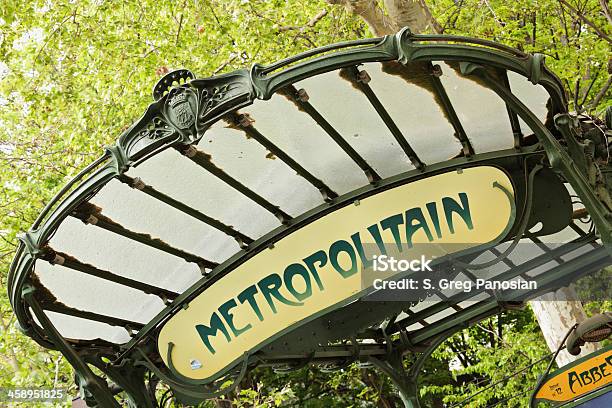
(557, 155)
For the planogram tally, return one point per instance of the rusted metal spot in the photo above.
(50, 255)
(190, 151)
(353, 74)
(302, 95)
(138, 184)
(580, 213)
(239, 121)
(491, 72)
(347, 74)
(293, 96)
(43, 295)
(91, 219)
(245, 120)
(416, 73)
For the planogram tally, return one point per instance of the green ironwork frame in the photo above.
(215, 98)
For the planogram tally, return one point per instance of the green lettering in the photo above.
(572, 379)
(249, 295)
(290, 272)
(584, 376)
(269, 288)
(415, 220)
(393, 224)
(451, 206)
(595, 374)
(375, 232)
(432, 208)
(321, 258)
(602, 368)
(216, 324)
(335, 249)
(356, 238)
(224, 309)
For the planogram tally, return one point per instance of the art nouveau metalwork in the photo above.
(225, 167)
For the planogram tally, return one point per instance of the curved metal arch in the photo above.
(260, 84)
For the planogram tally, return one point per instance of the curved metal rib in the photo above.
(514, 120)
(244, 122)
(90, 214)
(203, 160)
(68, 261)
(83, 314)
(301, 100)
(361, 79)
(138, 184)
(449, 110)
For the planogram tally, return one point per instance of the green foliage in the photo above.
(574, 49)
(73, 75)
(483, 357)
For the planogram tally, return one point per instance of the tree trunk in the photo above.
(555, 314)
(400, 13)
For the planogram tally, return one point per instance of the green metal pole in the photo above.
(405, 384)
(408, 394)
(94, 384)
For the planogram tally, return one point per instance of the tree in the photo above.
(74, 74)
(392, 15)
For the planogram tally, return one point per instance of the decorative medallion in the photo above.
(185, 117)
(180, 109)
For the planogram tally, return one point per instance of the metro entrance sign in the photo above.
(582, 377)
(229, 227)
(318, 268)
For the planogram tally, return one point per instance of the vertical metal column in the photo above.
(407, 382)
(91, 382)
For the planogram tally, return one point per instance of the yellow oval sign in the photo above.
(317, 268)
(579, 378)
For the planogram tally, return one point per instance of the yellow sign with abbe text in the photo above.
(578, 379)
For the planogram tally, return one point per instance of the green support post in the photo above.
(90, 383)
